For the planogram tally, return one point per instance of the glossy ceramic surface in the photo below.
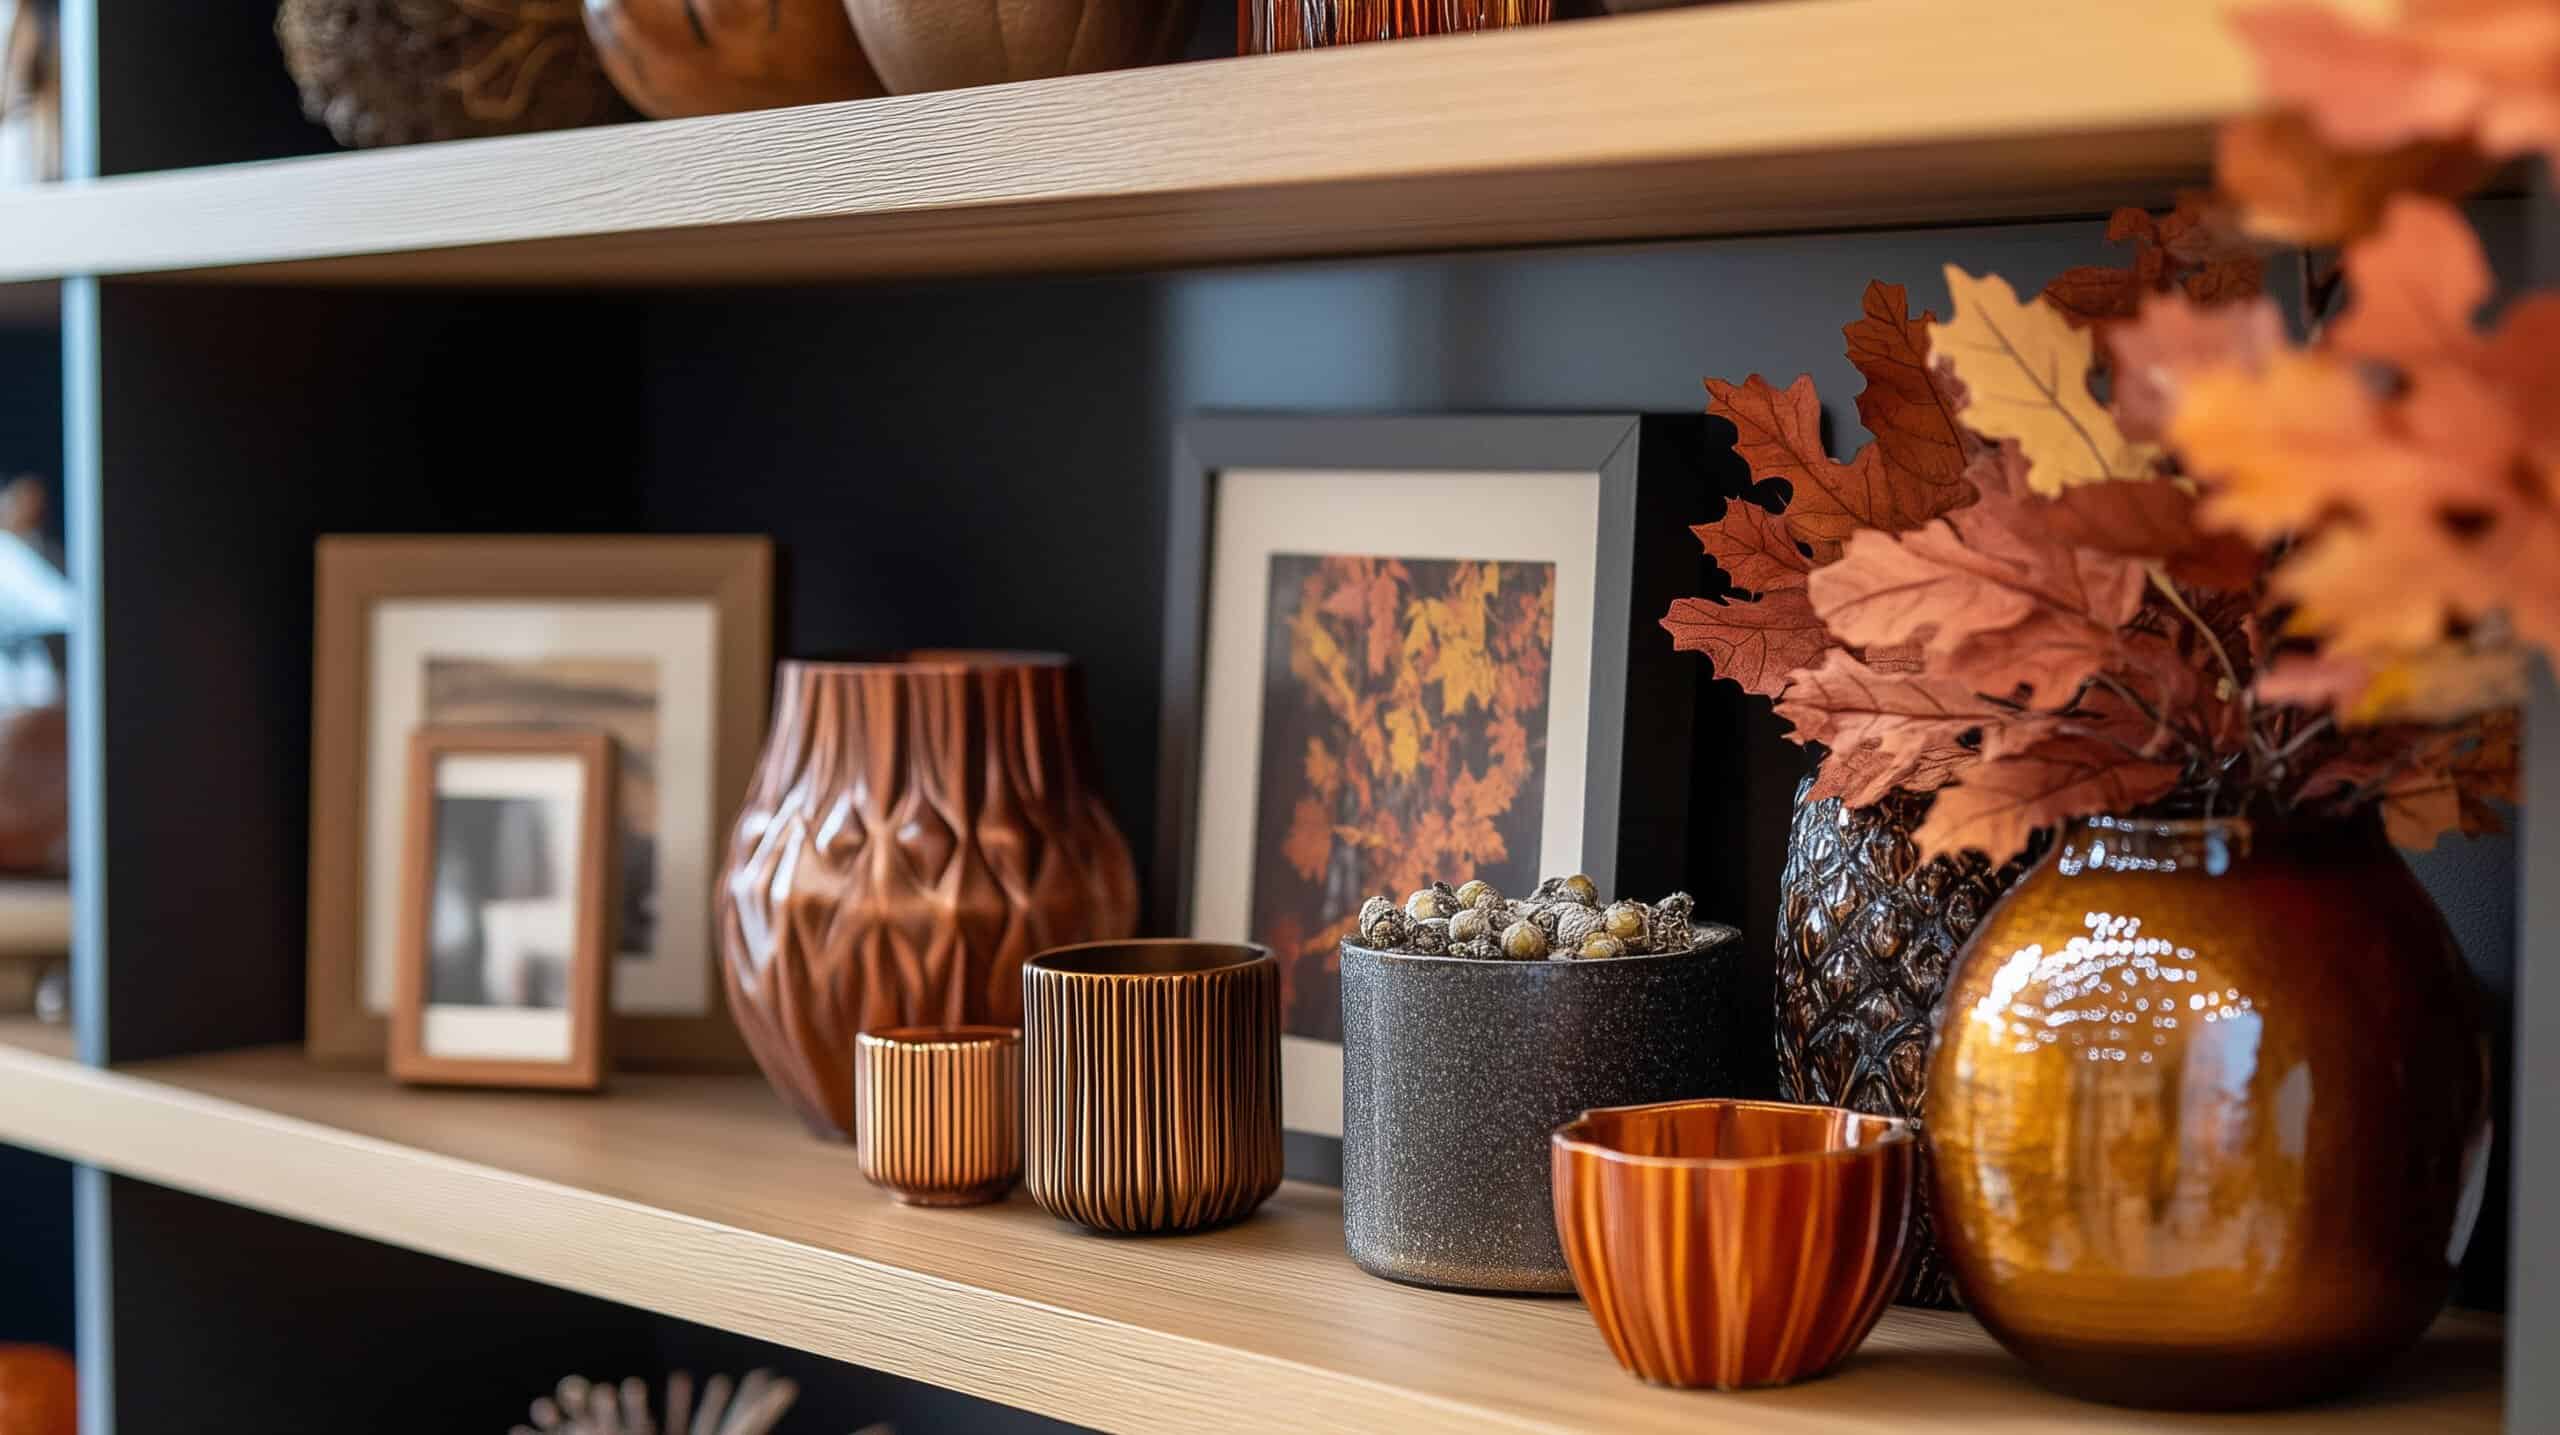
(937, 1112)
(1734, 1243)
(1456, 1072)
(2209, 1108)
(916, 830)
(708, 57)
(1151, 1083)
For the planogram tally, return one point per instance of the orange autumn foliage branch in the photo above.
(2068, 627)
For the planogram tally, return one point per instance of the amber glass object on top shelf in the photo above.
(1266, 26)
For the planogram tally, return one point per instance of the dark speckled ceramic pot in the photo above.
(1455, 1072)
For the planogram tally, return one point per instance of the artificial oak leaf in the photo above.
(2172, 337)
(1756, 644)
(2485, 71)
(1978, 571)
(2044, 659)
(2000, 469)
(2439, 683)
(1897, 723)
(1779, 434)
(2418, 280)
(2451, 781)
(2094, 293)
(1905, 404)
(1844, 773)
(2000, 804)
(2154, 519)
(2026, 375)
(2296, 188)
(2287, 443)
(1754, 548)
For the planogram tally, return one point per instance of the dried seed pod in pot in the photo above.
(1474, 893)
(1525, 942)
(1573, 924)
(1469, 925)
(1600, 946)
(1430, 936)
(1578, 888)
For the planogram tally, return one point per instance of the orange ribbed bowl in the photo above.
(1733, 1243)
(1151, 1083)
(937, 1112)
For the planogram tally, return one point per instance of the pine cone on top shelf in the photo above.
(390, 72)
(1866, 936)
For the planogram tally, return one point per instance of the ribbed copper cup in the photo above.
(1151, 1083)
(1733, 1243)
(937, 1112)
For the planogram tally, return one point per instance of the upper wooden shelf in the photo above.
(1722, 119)
(698, 1197)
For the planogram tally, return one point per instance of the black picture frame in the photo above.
(1655, 479)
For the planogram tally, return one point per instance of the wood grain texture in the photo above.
(698, 1197)
(1781, 114)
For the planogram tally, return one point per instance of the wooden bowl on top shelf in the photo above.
(920, 45)
(705, 57)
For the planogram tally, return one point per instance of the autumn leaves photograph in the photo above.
(1404, 738)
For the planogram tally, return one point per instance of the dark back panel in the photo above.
(240, 426)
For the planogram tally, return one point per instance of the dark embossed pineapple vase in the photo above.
(917, 829)
(1867, 933)
(2210, 1110)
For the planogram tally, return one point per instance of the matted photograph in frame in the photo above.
(661, 644)
(507, 898)
(1402, 649)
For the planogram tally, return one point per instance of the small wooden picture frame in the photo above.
(506, 913)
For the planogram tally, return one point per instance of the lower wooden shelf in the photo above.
(700, 1198)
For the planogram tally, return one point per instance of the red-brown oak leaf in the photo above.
(1754, 548)
(1757, 644)
(1979, 571)
(2155, 520)
(1897, 724)
(2001, 803)
(1779, 434)
(1907, 405)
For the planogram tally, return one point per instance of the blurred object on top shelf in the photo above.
(391, 72)
(39, 1391)
(579, 1406)
(708, 57)
(920, 45)
(30, 92)
(1266, 26)
(35, 613)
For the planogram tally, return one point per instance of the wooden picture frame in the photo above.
(699, 608)
(587, 869)
(1640, 479)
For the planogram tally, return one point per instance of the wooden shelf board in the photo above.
(698, 1197)
(1763, 116)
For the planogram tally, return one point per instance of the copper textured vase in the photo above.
(920, 45)
(916, 830)
(1151, 1083)
(2210, 1112)
(710, 57)
(1867, 933)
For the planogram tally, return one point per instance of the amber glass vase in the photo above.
(2209, 1109)
(1266, 26)
(918, 827)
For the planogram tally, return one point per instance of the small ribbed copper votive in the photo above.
(1151, 1083)
(1734, 1244)
(937, 1112)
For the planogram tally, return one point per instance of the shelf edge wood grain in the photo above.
(1733, 118)
(699, 1198)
